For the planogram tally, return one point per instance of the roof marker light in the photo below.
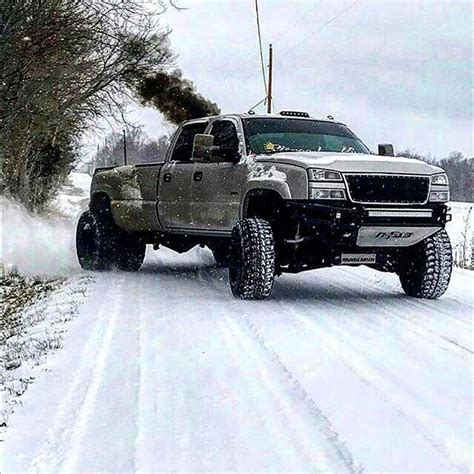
(293, 113)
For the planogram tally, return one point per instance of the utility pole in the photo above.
(270, 80)
(124, 148)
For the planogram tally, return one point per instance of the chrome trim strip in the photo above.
(327, 184)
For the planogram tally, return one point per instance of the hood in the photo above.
(352, 162)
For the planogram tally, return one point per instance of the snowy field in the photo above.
(164, 370)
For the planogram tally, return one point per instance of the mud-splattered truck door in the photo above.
(176, 178)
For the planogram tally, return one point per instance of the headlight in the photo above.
(440, 179)
(324, 175)
(319, 193)
(439, 196)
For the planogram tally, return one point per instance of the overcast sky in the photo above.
(396, 71)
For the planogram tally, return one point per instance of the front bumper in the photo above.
(348, 224)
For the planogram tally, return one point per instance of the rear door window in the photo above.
(183, 148)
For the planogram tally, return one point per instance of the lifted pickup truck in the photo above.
(270, 194)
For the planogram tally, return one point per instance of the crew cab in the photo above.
(270, 194)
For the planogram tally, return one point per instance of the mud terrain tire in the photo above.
(95, 241)
(252, 259)
(426, 268)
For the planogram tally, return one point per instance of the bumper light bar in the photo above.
(400, 213)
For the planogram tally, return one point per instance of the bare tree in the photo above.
(466, 242)
(64, 63)
(140, 149)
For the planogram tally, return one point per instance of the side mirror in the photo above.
(386, 149)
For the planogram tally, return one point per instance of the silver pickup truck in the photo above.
(270, 194)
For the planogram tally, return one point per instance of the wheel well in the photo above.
(100, 202)
(267, 204)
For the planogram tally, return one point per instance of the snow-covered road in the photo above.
(165, 370)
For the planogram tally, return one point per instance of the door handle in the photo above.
(197, 176)
(167, 177)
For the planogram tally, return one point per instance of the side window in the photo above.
(225, 135)
(183, 148)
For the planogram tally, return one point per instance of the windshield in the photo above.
(273, 135)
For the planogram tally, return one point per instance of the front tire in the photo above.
(425, 269)
(252, 259)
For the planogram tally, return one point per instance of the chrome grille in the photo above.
(378, 188)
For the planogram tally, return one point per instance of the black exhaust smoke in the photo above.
(175, 97)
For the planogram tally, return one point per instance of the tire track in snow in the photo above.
(388, 319)
(146, 409)
(70, 421)
(312, 432)
(87, 407)
(152, 451)
(177, 425)
(390, 312)
(376, 379)
(425, 308)
(254, 398)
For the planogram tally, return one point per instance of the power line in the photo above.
(260, 47)
(251, 57)
(319, 29)
(302, 17)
